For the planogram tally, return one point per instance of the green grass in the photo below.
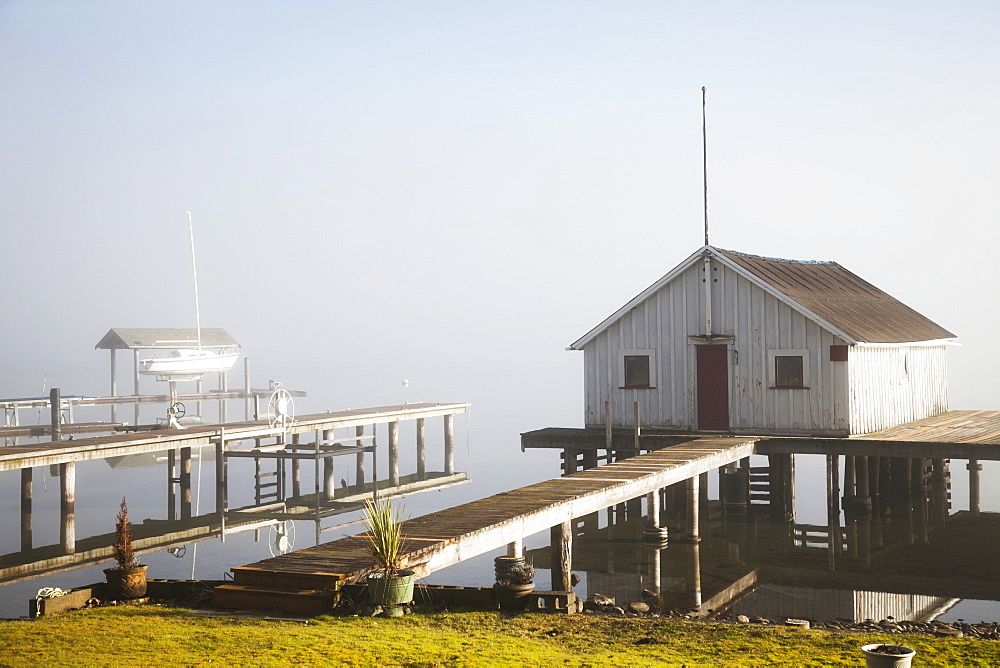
(148, 635)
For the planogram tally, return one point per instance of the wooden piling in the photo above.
(55, 413)
(637, 435)
(449, 444)
(421, 450)
(185, 480)
(562, 556)
(974, 468)
(608, 436)
(394, 454)
(67, 490)
(515, 548)
(359, 461)
(26, 522)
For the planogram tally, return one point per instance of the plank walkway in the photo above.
(448, 536)
(16, 457)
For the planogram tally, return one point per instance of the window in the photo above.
(788, 369)
(637, 369)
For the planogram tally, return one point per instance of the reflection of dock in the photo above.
(278, 452)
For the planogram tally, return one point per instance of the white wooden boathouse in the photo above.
(728, 341)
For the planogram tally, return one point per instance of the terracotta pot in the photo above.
(125, 583)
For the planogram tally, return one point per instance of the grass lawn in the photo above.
(148, 635)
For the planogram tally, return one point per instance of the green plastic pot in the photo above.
(391, 591)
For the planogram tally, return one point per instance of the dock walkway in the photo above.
(446, 537)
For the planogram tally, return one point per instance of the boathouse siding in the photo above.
(850, 385)
(891, 385)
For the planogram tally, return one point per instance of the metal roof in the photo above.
(148, 338)
(841, 298)
(824, 292)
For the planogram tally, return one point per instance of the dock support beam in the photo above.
(974, 468)
(67, 489)
(55, 406)
(449, 444)
(516, 548)
(394, 454)
(608, 436)
(221, 480)
(562, 556)
(114, 387)
(329, 482)
(185, 479)
(359, 462)
(421, 450)
(26, 491)
(693, 534)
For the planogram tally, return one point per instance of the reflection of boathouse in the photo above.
(733, 342)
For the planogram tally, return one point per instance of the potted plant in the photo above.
(128, 579)
(388, 584)
(882, 655)
(515, 580)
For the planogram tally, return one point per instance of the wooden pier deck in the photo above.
(16, 457)
(448, 536)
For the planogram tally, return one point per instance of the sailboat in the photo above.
(184, 363)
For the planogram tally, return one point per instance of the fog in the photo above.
(452, 192)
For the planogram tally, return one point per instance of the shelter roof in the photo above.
(825, 292)
(149, 338)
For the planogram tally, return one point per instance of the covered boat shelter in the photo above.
(138, 339)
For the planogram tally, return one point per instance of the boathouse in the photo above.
(728, 341)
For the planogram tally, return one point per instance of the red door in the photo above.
(713, 388)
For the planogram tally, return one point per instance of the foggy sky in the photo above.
(452, 192)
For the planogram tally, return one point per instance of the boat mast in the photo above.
(194, 270)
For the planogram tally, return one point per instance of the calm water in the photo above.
(913, 556)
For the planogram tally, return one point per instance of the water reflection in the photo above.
(891, 545)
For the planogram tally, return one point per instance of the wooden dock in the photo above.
(307, 580)
(23, 456)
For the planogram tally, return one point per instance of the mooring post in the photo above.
(449, 444)
(185, 483)
(974, 468)
(221, 466)
(247, 400)
(608, 412)
(638, 426)
(359, 461)
(67, 489)
(652, 509)
(135, 378)
(296, 468)
(693, 532)
(223, 403)
(562, 556)
(26, 474)
(834, 541)
(515, 548)
(114, 388)
(694, 577)
(394, 454)
(421, 450)
(171, 480)
(55, 412)
(329, 482)
(939, 491)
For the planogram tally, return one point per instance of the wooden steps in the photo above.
(301, 601)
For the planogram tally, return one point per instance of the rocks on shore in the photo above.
(606, 605)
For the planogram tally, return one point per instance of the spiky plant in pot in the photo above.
(128, 579)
